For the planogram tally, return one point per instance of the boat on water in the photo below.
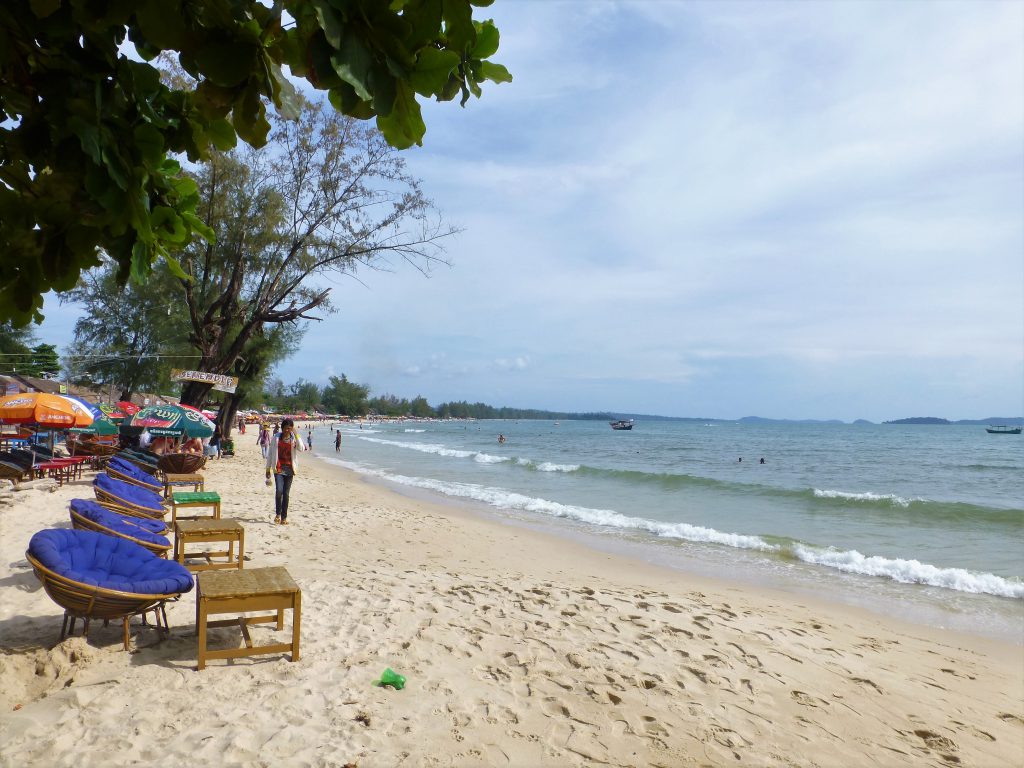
(1001, 429)
(622, 424)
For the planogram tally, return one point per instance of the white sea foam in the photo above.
(440, 450)
(898, 501)
(415, 430)
(547, 466)
(486, 458)
(911, 571)
(504, 499)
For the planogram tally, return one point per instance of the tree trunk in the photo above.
(194, 393)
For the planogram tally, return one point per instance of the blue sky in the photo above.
(793, 210)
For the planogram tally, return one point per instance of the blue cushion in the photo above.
(109, 562)
(147, 523)
(134, 494)
(132, 471)
(123, 524)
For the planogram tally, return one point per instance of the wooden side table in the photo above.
(190, 499)
(255, 589)
(206, 530)
(196, 480)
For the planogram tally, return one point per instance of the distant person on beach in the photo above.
(282, 460)
(762, 459)
(215, 440)
(337, 441)
(501, 438)
(309, 438)
(263, 441)
(739, 459)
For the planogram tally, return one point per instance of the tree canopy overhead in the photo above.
(88, 135)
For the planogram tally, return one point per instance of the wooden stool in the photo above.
(189, 499)
(256, 589)
(193, 531)
(197, 481)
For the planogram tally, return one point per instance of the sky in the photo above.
(723, 209)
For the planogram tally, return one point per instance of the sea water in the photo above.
(922, 522)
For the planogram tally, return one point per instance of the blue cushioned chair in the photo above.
(127, 498)
(90, 516)
(120, 469)
(94, 576)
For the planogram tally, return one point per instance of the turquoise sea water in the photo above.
(924, 522)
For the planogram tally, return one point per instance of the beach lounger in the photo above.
(144, 461)
(94, 576)
(13, 472)
(127, 498)
(89, 516)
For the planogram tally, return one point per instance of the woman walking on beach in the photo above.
(337, 442)
(263, 441)
(282, 459)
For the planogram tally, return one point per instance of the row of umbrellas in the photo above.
(71, 412)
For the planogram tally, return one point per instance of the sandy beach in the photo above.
(519, 649)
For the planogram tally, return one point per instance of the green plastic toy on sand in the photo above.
(392, 678)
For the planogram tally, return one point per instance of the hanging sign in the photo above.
(220, 382)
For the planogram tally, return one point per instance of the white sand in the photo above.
(519, 649)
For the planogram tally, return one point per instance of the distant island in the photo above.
(1007, 420)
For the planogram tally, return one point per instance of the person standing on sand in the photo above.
(263, 441)
(282, 459)
(309, 439)
(337, 442)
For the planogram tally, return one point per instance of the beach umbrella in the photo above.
(173, 421)
(128, 408)
(112, 412)
(94, 409)
(83, 416)
(102, 427)
(42, 409)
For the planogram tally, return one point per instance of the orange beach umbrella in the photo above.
(42, 409)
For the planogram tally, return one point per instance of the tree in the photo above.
(128, 337)
(331, 196)
(43, 361)
(15, 352)
(88, 133)
(345, 397)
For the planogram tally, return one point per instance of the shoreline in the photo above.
(880, 597)
(519, 648)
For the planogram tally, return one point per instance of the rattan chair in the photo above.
(119, 472)
(94, 576)
(127, 498)
(181, 463)
(89, 516)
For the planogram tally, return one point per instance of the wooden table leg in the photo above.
(296, 621)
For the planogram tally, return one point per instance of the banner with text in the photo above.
(220, 382)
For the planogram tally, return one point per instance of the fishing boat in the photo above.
(1001, 429)
(622, 424)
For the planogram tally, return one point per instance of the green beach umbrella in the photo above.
(173, 421)
(102, 427)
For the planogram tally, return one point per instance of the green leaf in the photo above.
(494, 72)
(458, 25)
(222, 134)
(199, 227)
(486, 40)
(175, 268)
(433, 68)
(227, 62)
(352, 63)
(329, 22)
(162, 23)
(168, 226)
(150, 144)
(88, 136)
(286, 98)
(142, 262)
(344, 99)
(249, 117)
(404, 126)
